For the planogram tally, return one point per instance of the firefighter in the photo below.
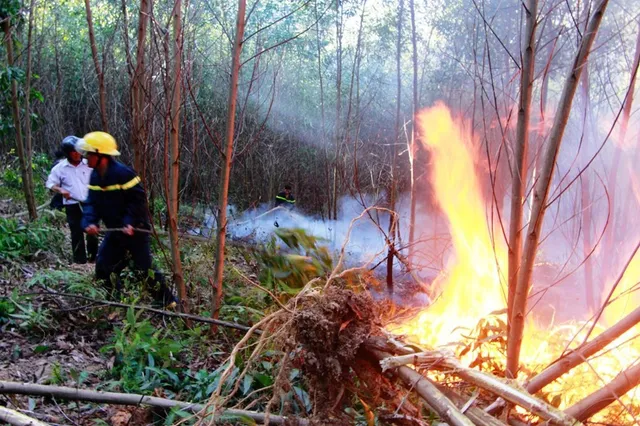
(117, 198)
(69, 179)
(286, 198)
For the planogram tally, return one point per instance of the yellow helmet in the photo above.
(98, 142)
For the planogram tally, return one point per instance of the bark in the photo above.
(519, 181)
(394, 151)
(475, 414)
(439, 360)
(27, 91)
(15, 418)
(582, 353)
(23, 154)
(102, 93)
(226, 164)
(173, 195)
(442, 405)
(585, 191)
(322, 115)
(139, 136)
(623, 383)
(338, 128)
(414, 133)
(74, 394)
(542, 187)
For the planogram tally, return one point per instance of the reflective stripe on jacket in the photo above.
(117, 198)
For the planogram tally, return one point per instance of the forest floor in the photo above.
(64, 341)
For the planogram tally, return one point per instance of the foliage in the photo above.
(287, 272)
(20, 240)
(72, 282)
(21, 311)
(144, 356)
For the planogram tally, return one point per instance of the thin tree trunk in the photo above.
(414, 133)
(138, 133)
(394, 151)
(542, 187)
(23, 154)
(585, 193)
(173, 195)
(338, 128)
(597, 401)
(226, 164)
(610, 238)
(27, 90)
(322, 116)
(99, 74)
(519, 181)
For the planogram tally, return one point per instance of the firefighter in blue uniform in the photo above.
(117, 198)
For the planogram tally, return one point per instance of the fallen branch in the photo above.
(129, 399)
(196, 318)
(582, 353)
(442, 405)
(25, 212)
(477, 415)
(602, 398)
(15, 418)
(441, 360)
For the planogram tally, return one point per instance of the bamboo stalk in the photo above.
(582, 353)
(441, 360)
(442, 405)
(477, 416)
(131, 399)
(592, 404)
(15, 418)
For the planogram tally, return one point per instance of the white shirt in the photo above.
(74, 179)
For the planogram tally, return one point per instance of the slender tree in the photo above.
(542, 187)
(519, 180)
(23, 153)
(223, 195)
(173, 194)
(414, 132)
(102, 92)
(138, 96)
(394, 148)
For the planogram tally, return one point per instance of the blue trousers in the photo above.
(112, 259)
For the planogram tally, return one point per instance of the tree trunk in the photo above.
(519, 181)
(99, 74)
(138, 134)
(610, 238)
(542, 187)
(338, 128)
(414, 133)
(226, 164)
(623, 383)
(27, 90)
(23, 154)
(394, 152)
(173, 193)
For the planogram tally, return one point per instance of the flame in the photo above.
(471, 287)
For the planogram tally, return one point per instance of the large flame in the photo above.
(471, 288)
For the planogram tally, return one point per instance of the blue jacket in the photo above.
(117, 198)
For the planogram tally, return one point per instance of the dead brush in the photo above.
(319, 331)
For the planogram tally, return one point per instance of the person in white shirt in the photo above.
(70, 178)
